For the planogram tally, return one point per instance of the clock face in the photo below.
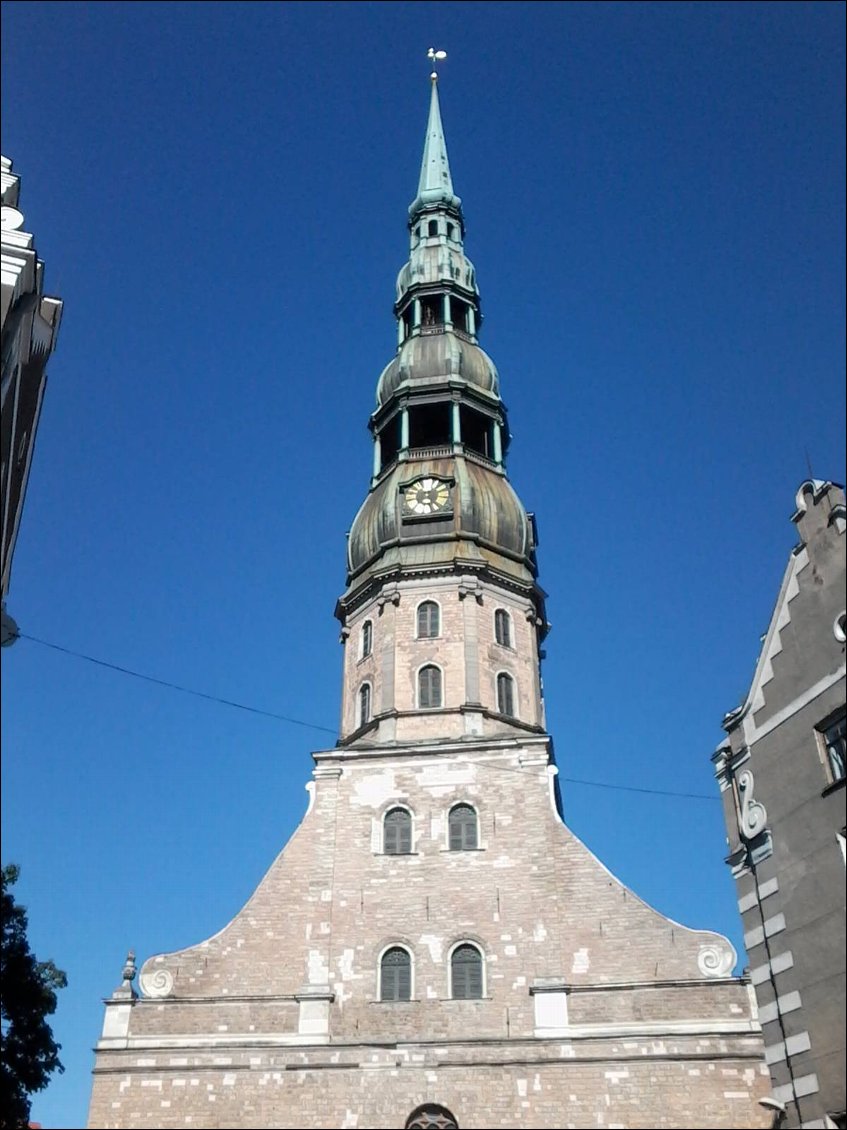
(426, 496)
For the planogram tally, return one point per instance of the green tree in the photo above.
(27, 995)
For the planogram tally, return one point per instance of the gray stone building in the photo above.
(30, 323)
(782, 775)
(434, 947)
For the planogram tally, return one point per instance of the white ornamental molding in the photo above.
(158, 983)
(717, 959)
(11, 219)
(753, 815)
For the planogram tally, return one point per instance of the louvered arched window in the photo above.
(463, 828)
(429, 687)
(503, 627)
(367, 638)
(466, 973)
(431, 1117)
(364, 703)
(397, 832)
(395, 975)
(506, 694)
(429, 620)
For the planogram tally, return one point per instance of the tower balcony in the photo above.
(446, 327)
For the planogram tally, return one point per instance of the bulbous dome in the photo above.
(437, 263)
(484, 522)
(432, 358)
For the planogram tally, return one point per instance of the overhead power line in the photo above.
(326, 729)
(178, 687)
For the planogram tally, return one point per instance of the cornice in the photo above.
(354, 598)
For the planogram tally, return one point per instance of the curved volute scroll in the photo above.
(155, 980)
(753, 814)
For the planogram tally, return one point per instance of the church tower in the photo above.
(442, 617)
(434, 948)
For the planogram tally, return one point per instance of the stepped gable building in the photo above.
(434, 947)
(782, 771)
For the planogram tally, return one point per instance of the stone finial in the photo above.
(125, 989)
(129, 970)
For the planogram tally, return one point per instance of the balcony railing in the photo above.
(437, 451)
(442, 327)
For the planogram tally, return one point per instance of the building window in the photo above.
(466, 973)
(397, 832)
(367, 638)
(506, 694)
(395, 975)
(433, 227)
(429, 687)
(431, 1117)
(429, 620)
(834, 741)
(503, 627)
(450, 231)
(463, 828)
(364, 703)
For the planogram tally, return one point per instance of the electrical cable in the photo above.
(177, 687)
(326, 729)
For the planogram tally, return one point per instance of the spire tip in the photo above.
(436, 57)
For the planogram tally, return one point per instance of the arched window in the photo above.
(506, 694)
(433, 227)
(462, 826)
(397, 832)
(395, 975)
(364, 703)
(367, 638)
(429, 620)
(466, 973)
(431, 1117)
(503, 627)
(429, 687)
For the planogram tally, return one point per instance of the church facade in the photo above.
(434, 947)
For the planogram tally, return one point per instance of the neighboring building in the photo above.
(782, 776)
(434, 947)
(29, 328)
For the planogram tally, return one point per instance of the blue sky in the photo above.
(654, 196)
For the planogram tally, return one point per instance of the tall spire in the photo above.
(435, 185)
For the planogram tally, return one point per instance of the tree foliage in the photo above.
(27, 995)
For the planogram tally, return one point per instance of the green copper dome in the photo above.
(484, 523)
(435, 359)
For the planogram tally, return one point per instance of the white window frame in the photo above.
(477, 945)
(440, 670)
(437, 603)
(391, 808)
(462, 804)
(360, 721)
(831, 720)
(510, 628)
(381, 955)
(514, 682)
(366, 629)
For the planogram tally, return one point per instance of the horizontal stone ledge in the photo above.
(242, 998)
(559, 1061)
(555, 986)
(237, 1043)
